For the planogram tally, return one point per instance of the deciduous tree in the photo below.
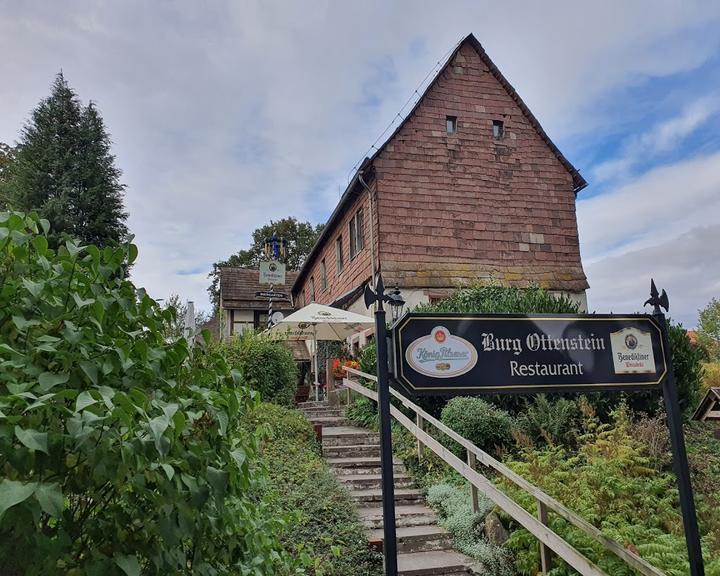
(300, 237)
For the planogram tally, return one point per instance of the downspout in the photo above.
(372, 226)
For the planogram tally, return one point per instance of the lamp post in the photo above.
(386, 459)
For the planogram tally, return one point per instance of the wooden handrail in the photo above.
(632, 559)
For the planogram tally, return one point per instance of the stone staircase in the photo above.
(424, 548)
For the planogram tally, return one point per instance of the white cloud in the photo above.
(684, 266)
(663, 137)
(662, 203)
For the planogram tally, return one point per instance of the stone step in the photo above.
(405, 515)
(329, 421)
(315, 412)
(314, 404)
(353, 450)
(360, 465)
(402, 496)
(366, 481)
(433, 563)
(423, 538)
(348, 436)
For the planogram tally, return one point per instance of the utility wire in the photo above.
(417, 93)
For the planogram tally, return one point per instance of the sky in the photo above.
(226, 114)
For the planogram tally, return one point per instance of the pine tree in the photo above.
(64, 170)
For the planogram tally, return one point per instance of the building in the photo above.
(240, 308)
(468, 188)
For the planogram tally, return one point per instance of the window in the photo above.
(498, 129)
(338, 255)
(312, 289)
(357, 239)
(323, 275)
(360, 228)
(451, 124)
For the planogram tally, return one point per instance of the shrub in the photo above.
(710, 376)
(466, 527)
(118, 452)
(612, 483)
(503, 300)
(325, 530)
(485, 425)
(550, 421)
(266, 365)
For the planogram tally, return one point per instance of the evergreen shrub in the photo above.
(488, 427)
(266, 365)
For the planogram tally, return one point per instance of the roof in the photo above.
(710, 402)
(238, 287)
(352, 189)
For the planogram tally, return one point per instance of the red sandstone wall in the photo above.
(462, 207)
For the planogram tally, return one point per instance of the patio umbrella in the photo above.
(317, 322)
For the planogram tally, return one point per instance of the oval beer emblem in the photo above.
(441, 355)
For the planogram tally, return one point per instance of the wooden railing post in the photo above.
(545, 552)
(420, 423)
(472, 462)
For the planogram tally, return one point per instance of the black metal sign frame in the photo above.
(458, 367)
(451, 354)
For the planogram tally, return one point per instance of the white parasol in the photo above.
(317, 322)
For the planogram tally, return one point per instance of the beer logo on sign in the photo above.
(632, 351)
(441, 355)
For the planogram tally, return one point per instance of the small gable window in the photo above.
(498, 129)
(451, 124)
(323, 275)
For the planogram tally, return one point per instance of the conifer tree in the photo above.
(65, 171)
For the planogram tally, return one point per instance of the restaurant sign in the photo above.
(479, 353)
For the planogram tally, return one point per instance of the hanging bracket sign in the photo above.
(452, 354)
(272, 272)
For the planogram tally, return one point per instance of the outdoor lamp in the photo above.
(396, 304)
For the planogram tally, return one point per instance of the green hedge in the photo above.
(325, 531)
(119, 453)
(266, 365)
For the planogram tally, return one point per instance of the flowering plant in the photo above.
(339, 364)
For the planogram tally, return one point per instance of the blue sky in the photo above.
(228, 113)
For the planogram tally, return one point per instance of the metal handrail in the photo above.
(545, 502)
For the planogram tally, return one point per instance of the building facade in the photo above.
(469, 188)
(240, 308)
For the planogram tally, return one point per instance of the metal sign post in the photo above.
(386, 456)
(677, 443)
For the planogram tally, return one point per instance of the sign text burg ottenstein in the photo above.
(451, 354)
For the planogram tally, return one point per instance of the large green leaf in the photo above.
(13, 493)
(84, 400)
(129, 565)
(36, 441)
(90, 369)
(48, 380)
(50, 498)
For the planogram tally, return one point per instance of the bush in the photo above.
(325, 531)
(710, 376)
(494, 299)
(612, 483)
(466, 527)
(266, 365)
(550, 421)
(485, 425)
(119, 454)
